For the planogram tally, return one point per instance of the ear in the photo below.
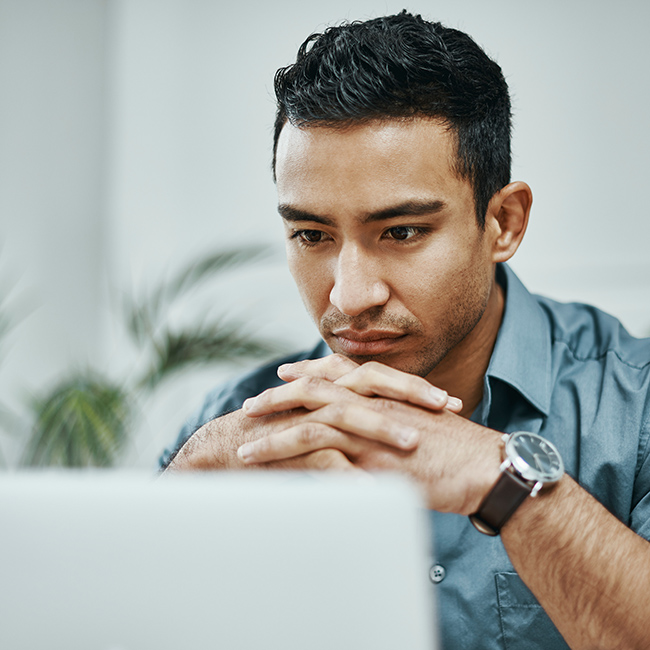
(507, 217)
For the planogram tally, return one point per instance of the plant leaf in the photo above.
(143, 319)
(203, 345)
(82, 422)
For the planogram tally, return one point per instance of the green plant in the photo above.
(85, 419)
(206, 342)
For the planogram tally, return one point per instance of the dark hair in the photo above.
(404, 66)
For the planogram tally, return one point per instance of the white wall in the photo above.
(186, 114)
(52, 166)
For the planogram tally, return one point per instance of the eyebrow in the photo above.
(406, 209)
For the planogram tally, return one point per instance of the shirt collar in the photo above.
(522, 353)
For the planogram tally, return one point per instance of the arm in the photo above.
(214, 446)
(210, 447)
(589, 571)
(349, 414)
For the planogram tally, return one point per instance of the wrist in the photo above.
(484, 472)
(532, 512)
(530, 464)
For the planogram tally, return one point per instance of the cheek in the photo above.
(471, 283)
(311, 278)
(445, 276)
(428, 277)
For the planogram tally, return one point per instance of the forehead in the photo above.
(367, 166)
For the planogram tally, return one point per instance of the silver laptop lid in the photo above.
(221, 560)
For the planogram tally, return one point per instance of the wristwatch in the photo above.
(531, 463)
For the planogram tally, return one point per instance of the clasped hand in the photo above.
(379, 418)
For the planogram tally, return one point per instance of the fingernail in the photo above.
(248, 404)
(454, 402)
(437, 396)
(245, 451)
(408, 437)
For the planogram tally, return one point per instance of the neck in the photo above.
(462, 371)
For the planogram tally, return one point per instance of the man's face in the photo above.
(382, 240)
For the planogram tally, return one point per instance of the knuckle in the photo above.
(300, 364)
(263, 445)
(308, 383)
(384, 404)
(374, 369)
(264, 397)
(341, 361)
(336, 413)
(372, 366)
(310, 435)
(370, 375)
(329, 459)
(418, 383)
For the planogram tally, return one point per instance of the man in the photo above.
(392, 161)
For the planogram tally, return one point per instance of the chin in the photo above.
(421, 367)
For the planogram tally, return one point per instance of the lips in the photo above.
(366, 342)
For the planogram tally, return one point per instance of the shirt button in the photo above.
(437, 573)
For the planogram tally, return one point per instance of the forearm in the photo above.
(213, 446)
(589, 571)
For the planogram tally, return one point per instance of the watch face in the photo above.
(535, 458)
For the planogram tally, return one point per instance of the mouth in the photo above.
(366, 342)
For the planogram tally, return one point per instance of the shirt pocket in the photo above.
(524, 624)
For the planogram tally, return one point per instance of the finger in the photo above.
(454, 404)
(294, 442)
(307, 392)
(330, 367)
(374, 378)
(331, 459)
(312, 436)
(330, 427)
(323, 459)
(335, 367)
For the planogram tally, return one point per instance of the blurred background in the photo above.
(135, 147)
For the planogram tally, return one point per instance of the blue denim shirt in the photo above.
(567, 371)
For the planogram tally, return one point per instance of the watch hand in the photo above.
(539, 466)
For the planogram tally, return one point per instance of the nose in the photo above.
(358, 284)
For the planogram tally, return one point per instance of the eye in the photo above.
(401, 233)
(311, 236)
(308, 237)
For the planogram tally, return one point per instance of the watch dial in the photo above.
(534, 457)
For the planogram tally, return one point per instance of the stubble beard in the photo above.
(459, 323)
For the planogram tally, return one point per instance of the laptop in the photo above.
(228, 561)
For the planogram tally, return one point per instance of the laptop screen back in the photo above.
(229, 561)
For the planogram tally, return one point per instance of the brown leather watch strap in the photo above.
(502, 500)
